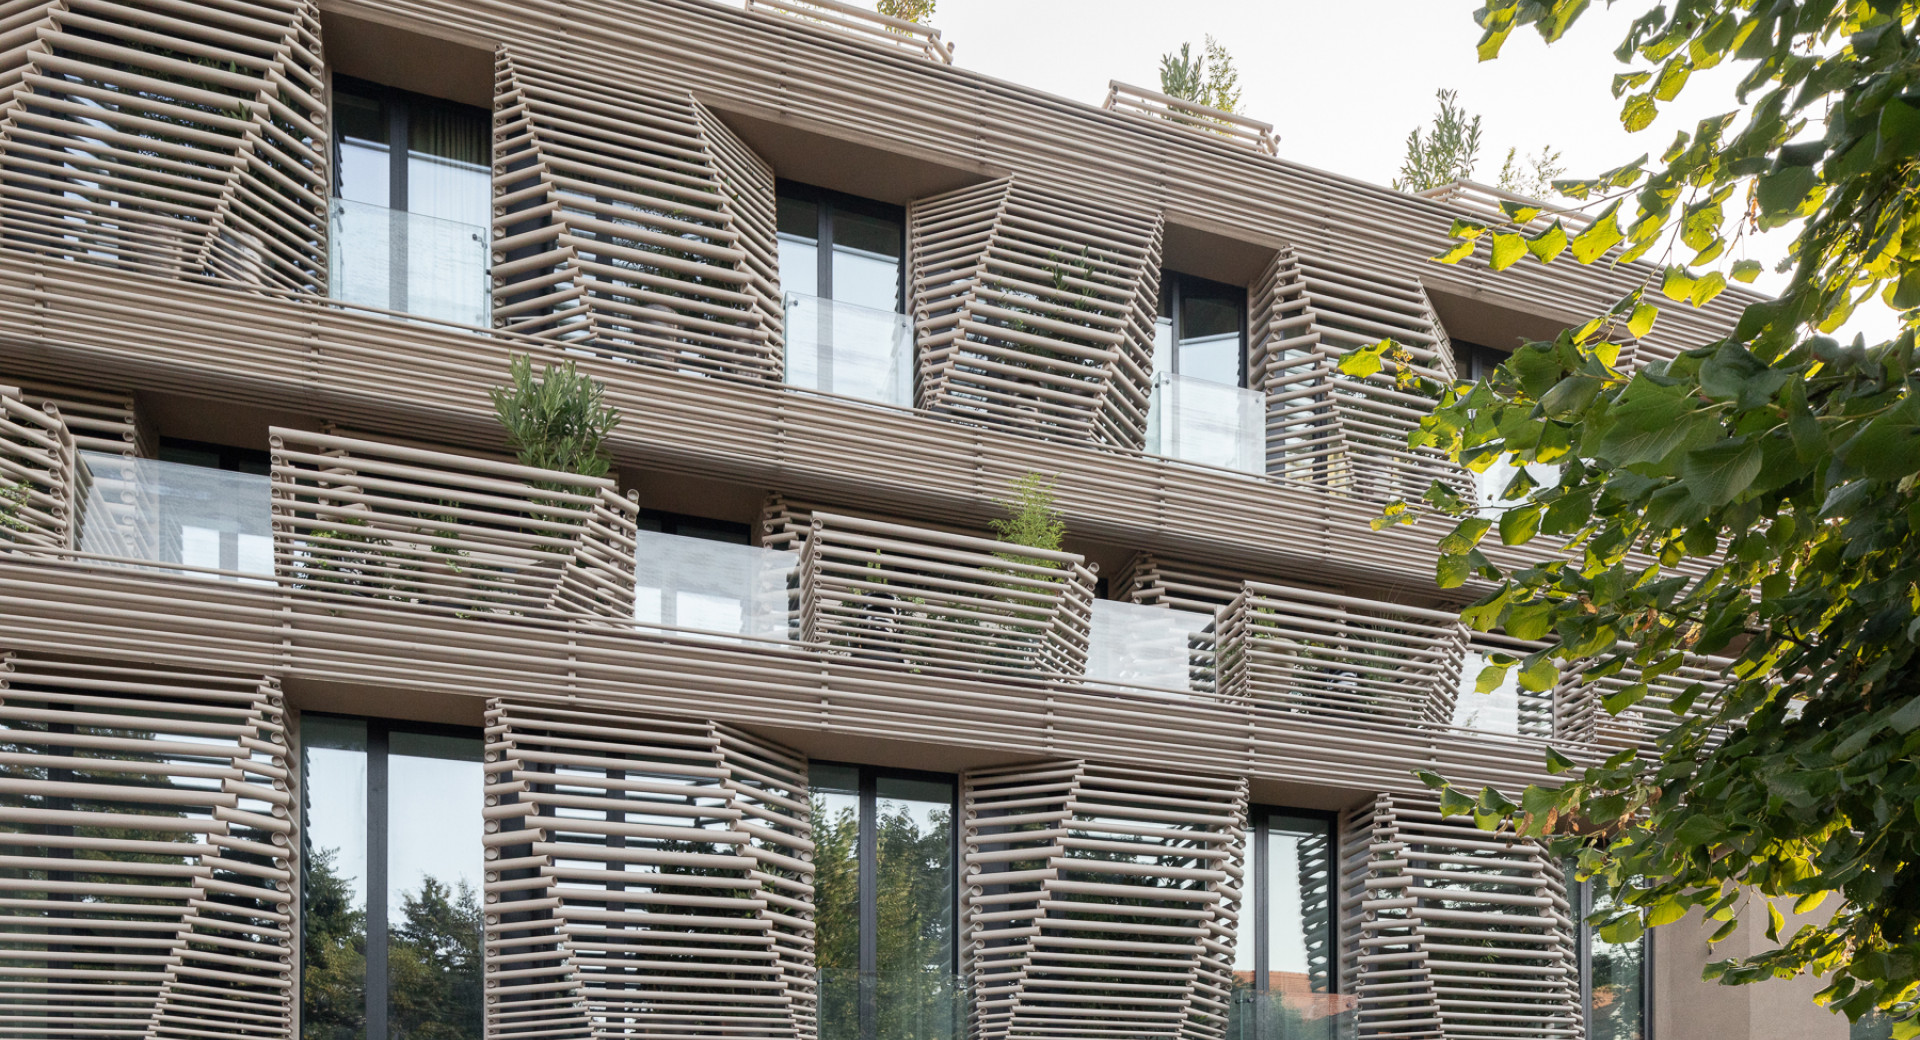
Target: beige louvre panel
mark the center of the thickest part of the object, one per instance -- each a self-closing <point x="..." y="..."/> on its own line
<point x="183" y="140"/>
<point x="39" y="480"/>
<point x="910" y="596"/>
<point x="646" y="877"/>
<point x="1155" y="580"/>
<point x="1580" y="714"/>
<point x="1287" y="650"/>
<point x="1328" y="427"/>
<point x="786" y="520"/>
<point x="631" y="223"/>
<point x="365" y="518"/>
<point x="100" y="420"/>
<point x="1139" y="101"/>
<point x="1100" y="901"/>
<point x="173" y="790"/>
<point x="862" y="23"/>
<point x="1035" y="310"/>
<point x="1451" y="931"/>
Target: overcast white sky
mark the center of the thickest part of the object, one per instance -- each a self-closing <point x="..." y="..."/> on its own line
<point x="1343" y="82"/>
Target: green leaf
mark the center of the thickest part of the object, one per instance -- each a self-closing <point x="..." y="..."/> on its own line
<point x="1622" y="931"/>
<point x="1465" y="535"/>
<point x="1549" y="243"/>
<point x="1776" y="921"/>
<point x="1717" y="474"/>
<point x="1460" y="251"/>
<point x="1362" y="362"/>
<point x="1669" y="911"/>
<point x="1519" y="525"/>
<point x="1558" y="763"/>
<point x="1508" y="248"/>
<point x="1453" y="803"/>
<point x="1780" y="193"/>
<point x="1745" y="270"/>
<point x="1529" y="620"/>
<point x="1677" y="284"/>
<point x="1889" y="447"/>
<point x="1899" y="136"/>
<point x="1638" y="113"/>
<point x="1451" y="572"/>
<point x="1539" y="676"/>
<point x="1596" y="238"/>
<point x="1624" y="698"/>
<point x="1490" y="678"/>
<point x="1712" y="284"/>
<point x="1642" y="321"/>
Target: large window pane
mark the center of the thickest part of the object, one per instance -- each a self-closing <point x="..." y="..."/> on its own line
<point x="1283" y="963"/>
<point x="800" y="246"/>
<point x="1616" y="983"/>
<point x="914" y="908"/>
<point x="866" y="260"/>
<point x="434" y="877"/>
<point x="333" y="979"/>
<point x="836" y="897"/>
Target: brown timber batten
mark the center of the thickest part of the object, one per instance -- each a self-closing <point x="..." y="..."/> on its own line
<point x="1451" y="931"/>
<point x="1100" y="901"/>
<point x="152" y="135"/>
<point x="631" y="223"/>
<point x="148" y="840"/>
<point x="645" y="877"/>
<point x="1034" y="310"/>
<point x="39" y="475"/>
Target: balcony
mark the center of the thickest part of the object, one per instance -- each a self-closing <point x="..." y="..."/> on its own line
<point x="1213" y="424"/>
<point x="853" y="351"/>
<point x="713" y="590"/>
<point x="408" y="262"/>
<point x="170" y="516"/>
<point x="924" y="599"/>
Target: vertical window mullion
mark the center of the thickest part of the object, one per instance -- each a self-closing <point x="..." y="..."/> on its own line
<point x="869" y="903"/>
<point x="399" y="146"/>
<point x="377" y="923"/>
<point x="823" y="258"/>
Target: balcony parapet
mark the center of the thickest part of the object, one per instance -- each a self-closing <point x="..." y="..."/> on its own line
<point x="471" y="535"/>
<point x="1139" y="101"/>
<point x="862" y="23"/>
<point x="926" y="599"/>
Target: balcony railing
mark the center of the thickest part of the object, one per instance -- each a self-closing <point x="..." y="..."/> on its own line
<point x="1150" y="647"/>
<point x="1213" y="424"/>
<point x="363" y="518"/>
<point x="1124" y="97"/>
<point x="1318" y="653"/>
<point x="1297" y="1013"/>
<point x="409" y="262"/>
<point x="862" y="22"/>
<point x="142" y="512"/>
<point x="926" y="599"/>
<point x="713" y="589"/>
<point x="855" y="351"/>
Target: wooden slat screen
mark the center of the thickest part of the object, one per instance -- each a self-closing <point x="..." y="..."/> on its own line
<point x="861" y="23"/>
<point x="100" y="420"/>
<point x="1034" y="310"/>
<point x="1286" y="649"/>
<point x="39" y="480"/>
<point x="1579" y="701"/>
<point x="1451" y="931"/>
<point x="646" y="877"/>
<point x="148" y="876"/>
<point x="1327" y="427"/>
<point x="366" y="518"/>
<point x="888" y="592"/>
<point x="1100" y="901"/>
<point x="183" y="139"/>
<point x="1139" y="101"/>
<point x="631" y="223"/>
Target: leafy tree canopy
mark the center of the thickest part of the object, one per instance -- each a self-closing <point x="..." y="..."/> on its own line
<point x="1450" y="151"/>
<point x="1207" y="78"/>
<point x="558" y="420"/>
<point x="1753" y="499"/>
<point x="919" y="12"/>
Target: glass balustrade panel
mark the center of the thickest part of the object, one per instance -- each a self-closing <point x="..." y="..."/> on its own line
<point x="146" y="513"/>
<point x="1135" y="645"/>
<point x="1214" y="424"/>
<point x="716" y="589"/>
<point x="844" y="348"/>
<point x="410" y="262"/>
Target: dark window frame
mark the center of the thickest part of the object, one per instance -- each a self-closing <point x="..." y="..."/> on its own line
<point x="379" y="742"/>
<point x="257" y="461"/>
<point x="1173" y="290"/>
<point x="868" y="874"/>
<point x="1260" y="820"/>
<point x="664" y="522"/>
<point x="827" y="201"/>
<point x="1586" y="933"/>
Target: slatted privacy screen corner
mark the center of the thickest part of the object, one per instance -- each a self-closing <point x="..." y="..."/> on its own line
<point x="1100" y="901"/>
<point x="1579" y="700"/>
<point x="1154" y="580"/>
<point x="106" y="421"/>
<point x="1034" y="310"/>
<point x="645" y="877"/>
<point x="1451" y="931"/>
<point x="632" y="224"/>
<point x="1284" y="649"/>
<point x="1232" y="126"/>
<point x="363" y="518"/>
<point x="181" y="139"/>
<point x="862" y="23"/>
<point x="1324" y="426"/>
<point x="925" y="599"/>
<point x="171" y="789"/>
<point x="39" y="475"/>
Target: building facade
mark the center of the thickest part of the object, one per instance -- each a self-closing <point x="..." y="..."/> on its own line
<point x="325" y="716"/>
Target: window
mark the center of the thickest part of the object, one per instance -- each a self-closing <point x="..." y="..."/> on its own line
<point x="885" y="904"/>
<point x="391" y="931"/>
<point x="1202" y="330"/>
<point x="1615" y="992"/>
<point x="840" y="247"/>
<point x="1473" y="362"/>
<point x="413" y="194"/>
<point x="1283" y="962"/>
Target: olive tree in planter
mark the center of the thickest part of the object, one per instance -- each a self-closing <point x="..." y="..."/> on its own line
<point x="558" y="420"/>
